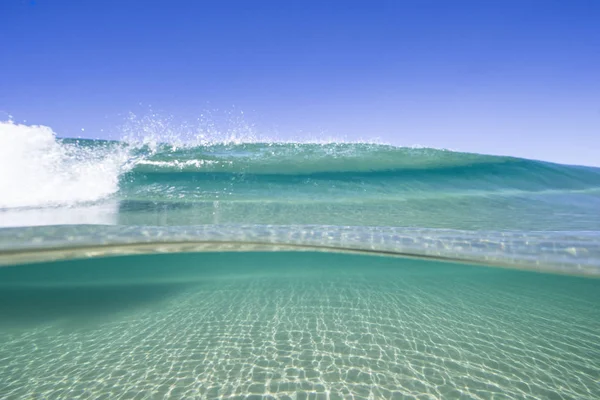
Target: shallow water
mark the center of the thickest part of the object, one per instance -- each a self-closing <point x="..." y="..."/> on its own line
<point x="294" y="325"/>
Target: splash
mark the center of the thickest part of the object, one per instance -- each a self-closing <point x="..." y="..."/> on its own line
<point x="153" y="130"/>
<point x="38" y="169"/>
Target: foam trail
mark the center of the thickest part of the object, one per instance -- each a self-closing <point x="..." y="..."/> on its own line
<point x="37" y="169"/>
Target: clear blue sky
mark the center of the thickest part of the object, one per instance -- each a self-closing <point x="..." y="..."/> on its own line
<point x="518" y="77"/>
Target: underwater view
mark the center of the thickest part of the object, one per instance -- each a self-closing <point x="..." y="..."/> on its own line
<point x="246" y="269"/>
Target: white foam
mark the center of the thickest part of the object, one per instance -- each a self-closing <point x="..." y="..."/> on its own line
<point x="36" y="169"/>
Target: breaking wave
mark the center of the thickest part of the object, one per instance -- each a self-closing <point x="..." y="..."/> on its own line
<point x="37" y="169"/>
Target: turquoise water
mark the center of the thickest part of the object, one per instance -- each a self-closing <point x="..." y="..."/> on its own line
<point x="144" y="270"/>
<point x="295" y="325"/>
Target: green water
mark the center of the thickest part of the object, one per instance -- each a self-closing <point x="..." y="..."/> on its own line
<point x="294" y="325"/>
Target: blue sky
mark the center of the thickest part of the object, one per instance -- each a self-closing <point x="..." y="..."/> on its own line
<point x="517" y="77"/>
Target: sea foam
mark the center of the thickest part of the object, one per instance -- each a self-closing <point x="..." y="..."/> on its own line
<point x="37" y="169"/>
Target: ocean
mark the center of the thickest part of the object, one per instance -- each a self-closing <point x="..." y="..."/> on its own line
<point x="253" y="269"/>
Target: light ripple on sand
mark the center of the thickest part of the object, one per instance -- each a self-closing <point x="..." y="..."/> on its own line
<point x="342" y="327"/>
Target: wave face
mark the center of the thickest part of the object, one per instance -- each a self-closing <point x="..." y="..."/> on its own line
<point x="361" y="163"/>
<point x="341" y="158"/>
<point x="358" y="184"/>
